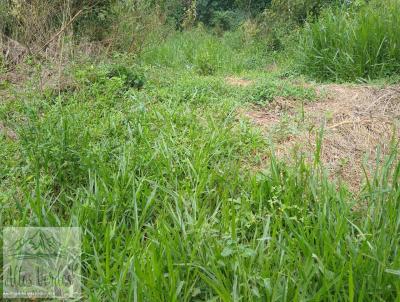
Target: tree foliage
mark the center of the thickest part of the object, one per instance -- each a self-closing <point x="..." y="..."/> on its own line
<point x="298" y="11"/>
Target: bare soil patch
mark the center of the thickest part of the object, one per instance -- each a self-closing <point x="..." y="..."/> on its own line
<point x="233" y="81"/>
<point x="359" y="123"/>
<point x="7" y="132"/>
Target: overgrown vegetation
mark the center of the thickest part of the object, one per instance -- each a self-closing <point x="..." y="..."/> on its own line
<point x="352" y="44"/>
<point x="178" y="196"/>
<point x="200" y="51"/>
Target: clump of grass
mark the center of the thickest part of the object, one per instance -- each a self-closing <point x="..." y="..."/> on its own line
<point x="129" y="76"/>
<point x="190" y="88"/>
<point x="266" y="91"/>
<point x="353" y="44"/>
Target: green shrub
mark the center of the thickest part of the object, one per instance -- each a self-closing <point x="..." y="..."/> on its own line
<point x="128" y="76"/>
<point x="296" y="11"/>
<point x="223" y="13"/>
<point x="225" y="20"/>
<point x="347" y="44"/>
<point x="133" y="78"/>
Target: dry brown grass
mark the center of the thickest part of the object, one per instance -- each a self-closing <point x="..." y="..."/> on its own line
<point x="358" y="121"/>
<point x="8" y="132"/>
<point x="234" y="81"/>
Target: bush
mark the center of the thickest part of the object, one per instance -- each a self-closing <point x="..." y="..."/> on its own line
<point x="348" y="44"/>
<point x="224" y="20"/>
<point x="296" y="11"/>
<point x="125" y="77"/>
<point x="225" y="14"/>
<point x="132" y="78"/>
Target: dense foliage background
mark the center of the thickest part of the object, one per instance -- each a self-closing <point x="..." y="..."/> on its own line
<point x="312" y="31"/>
<point x="100" y="16"/>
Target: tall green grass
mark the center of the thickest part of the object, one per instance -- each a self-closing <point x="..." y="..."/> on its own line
<point x="200" y="51"/>
<point x="162" y="182"/>
<point x="348" y="44"/>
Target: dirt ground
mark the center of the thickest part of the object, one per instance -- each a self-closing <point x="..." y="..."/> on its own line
<point x="234" y="81"/>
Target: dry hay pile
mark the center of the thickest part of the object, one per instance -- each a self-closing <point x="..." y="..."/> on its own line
<point x="358" y="121"/>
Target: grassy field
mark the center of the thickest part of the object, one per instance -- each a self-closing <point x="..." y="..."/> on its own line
<point x="167" y="186"/>
<point x="180" y="197"/>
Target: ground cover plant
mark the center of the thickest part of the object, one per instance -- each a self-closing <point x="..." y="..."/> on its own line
<point x="179" y="194"/>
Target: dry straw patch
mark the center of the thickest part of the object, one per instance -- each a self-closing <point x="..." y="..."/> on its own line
<point x="7" y="132"/>
<point x="234" y="81"/>
<point x="358" y="121"/>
